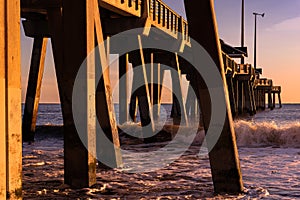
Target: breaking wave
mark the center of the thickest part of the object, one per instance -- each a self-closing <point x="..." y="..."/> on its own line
<point x="261" y="134"/>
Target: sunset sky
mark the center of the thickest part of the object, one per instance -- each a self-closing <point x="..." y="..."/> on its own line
<point x="278" y="46"/>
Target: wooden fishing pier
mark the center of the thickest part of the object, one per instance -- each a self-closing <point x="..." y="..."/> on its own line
<point x="75" y="29"/>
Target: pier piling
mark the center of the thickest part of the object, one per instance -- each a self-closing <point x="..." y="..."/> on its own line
<point x="34" y="88"/>
<point x="123" y="88"/>
<point x="75" y="29"/>
<point x="223" y="157"/>
<point x="10" y="101"/>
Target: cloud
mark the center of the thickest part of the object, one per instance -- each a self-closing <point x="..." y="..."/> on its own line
<point x="292" y="24"/>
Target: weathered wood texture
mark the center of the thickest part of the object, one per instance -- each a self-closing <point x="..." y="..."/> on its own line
<point x="141" y="92"/>
<point x="223" y="157"/>
<point x="157" y="74"/>
<point x="2" y="102"/>
<point x="110" y="152"/>
<point x="178" y="107"/>
<point x="78" y="42"/>
<point x="10" y="85"/>
<point x="141" y="89"/>
<point x="34" y="88"/>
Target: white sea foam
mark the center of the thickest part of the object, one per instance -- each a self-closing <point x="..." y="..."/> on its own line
<point x="248" y="133"/>
<point x="260" y="134"/>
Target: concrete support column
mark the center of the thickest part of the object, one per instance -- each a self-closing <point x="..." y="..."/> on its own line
<point x="2" y="107"/>
<point x="274" y="102"/>
<point x="257" y="104"/>
<point x="253" y="96"/>
<point x="279" y="100"/>
<point x="34" y="88"/>
<point x="10" y="101"/>
<point x="263" y="100"/>
<point x="141" y="93"/>
<point x="133" y="102"/>
<point x="156" y="90"/>
<point x="253" y="101"/>
<point x="123" y="88"/>
<point x="248" y="98"/>
<point x="178" y="107"/>
<point x="223" y="156"/>
<point x="3" y="100"/>
<point x="231" y="92"/>
<point x="270" y="103"/>
<point x="236" y="94"/>
<point x="72" y="41"/>
<point x="241" y="97"/>
<point x="191" y="102"/>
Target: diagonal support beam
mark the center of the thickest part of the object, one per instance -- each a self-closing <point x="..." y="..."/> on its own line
<point x="223" y="157"/>
<point x="178" y="99"/>
<point x="141" y="90"/>
<point x="108" y="152"/>
<point x="157" y="76"/>
<point x="34" y="88"/>
<point x="144" y="74"/>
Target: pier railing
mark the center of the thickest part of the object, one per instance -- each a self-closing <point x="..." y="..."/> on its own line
<point x="130" y="7"/>
<point x="276" y="89"/>
<point x="263" y="82"/>
<point x="166" y="19"/>
<point x="230" y="66"/>
<point x="246" y="69"/>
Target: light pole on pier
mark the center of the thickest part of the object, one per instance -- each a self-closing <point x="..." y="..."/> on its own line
<point x="255" y="16"/>
<point x="243" y="28"/>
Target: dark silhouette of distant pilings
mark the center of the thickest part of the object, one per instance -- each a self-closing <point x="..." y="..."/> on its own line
<point x="246" y="89"/>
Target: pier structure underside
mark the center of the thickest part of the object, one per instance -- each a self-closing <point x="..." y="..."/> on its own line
<point x="91" y="29"/>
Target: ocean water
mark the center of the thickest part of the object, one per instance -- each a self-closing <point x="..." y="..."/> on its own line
<point x="50" y="114"/>
<point x="278" y="127"/>
<point x="269" y="150"/>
